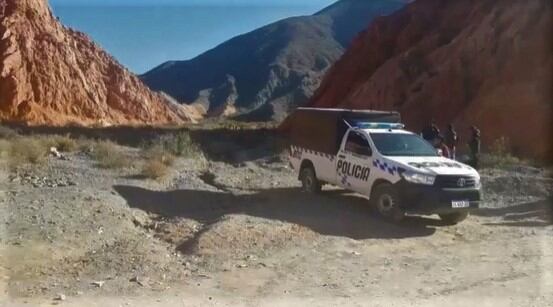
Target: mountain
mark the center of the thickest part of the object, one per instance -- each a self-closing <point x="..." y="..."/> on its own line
<point x="52" y="75"/>
<point x="272" y="69"/>
<point x="482" y="62"/>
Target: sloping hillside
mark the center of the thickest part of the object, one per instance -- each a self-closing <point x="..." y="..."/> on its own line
<point x="271" y="69"/>
<point x="52" y="75"/>
<point x="482" y="62"/>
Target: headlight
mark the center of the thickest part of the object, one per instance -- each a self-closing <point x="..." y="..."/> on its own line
<point x="477" y="183"/>
<point x="419" y="178"/>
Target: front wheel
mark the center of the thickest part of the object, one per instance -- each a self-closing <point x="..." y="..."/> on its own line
<point x="454" y="218"/>
<point x="387" y="203"/>
<point x="309" y="180"/>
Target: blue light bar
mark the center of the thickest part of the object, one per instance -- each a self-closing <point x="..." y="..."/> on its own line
<point x="366" y="125"/>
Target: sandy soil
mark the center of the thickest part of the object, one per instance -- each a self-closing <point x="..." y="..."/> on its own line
<point x="216" y="234"/>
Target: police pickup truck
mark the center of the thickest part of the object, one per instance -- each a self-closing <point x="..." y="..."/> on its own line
<point x="370" y="153"/>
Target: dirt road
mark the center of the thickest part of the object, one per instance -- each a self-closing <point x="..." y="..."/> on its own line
<point x="217" y="234"/>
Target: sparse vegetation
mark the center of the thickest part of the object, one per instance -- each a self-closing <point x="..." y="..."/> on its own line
<point x="109" y="156"/>
<point x="500" y="155"/>
<point x="26" y="150"/>
<point x="154" y="169"/>
<point x="4" y="148"/>
<point x="63" y="143"/>
<point x="159" y="153"/>
<point x="157" y="162"/>
<point x="7" y="133"/>
<point x="180" y="144"/>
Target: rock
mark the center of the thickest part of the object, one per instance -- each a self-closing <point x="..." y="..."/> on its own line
<point x="54" y="152"/>
<point x="60" y="297"/>
<point x="142" y="281"/>
<point x="98" y="284"/>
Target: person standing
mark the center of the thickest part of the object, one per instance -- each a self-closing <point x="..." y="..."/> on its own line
<point x="440" y="144"/>
<point x="430" y="132"/>
<point x="451" y="140"/>
<point x="474" y="146"/>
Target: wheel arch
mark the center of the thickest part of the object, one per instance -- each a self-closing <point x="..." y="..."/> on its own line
<point x="377" y="183"/>
<point x="304" y="164"/>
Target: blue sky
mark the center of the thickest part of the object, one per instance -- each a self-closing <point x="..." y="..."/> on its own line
<point x="142" y="34"/>
<point x="195" y="2"/>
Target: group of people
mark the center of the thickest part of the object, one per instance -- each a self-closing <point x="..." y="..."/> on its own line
<point x="449" y="141"/>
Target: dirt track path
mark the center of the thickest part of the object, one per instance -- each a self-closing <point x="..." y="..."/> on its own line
<point x="244" y="235"/>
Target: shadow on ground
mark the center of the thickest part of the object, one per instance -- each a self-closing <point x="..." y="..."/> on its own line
<point x="333" y="213"/>
<point x="533" y="214"/>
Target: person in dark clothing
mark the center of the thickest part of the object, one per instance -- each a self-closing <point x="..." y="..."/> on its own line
<point x="440" y="144"/>
<point x="430" y="132"/>
<point x="474" y="146"/>
<point x="451" y="140"/>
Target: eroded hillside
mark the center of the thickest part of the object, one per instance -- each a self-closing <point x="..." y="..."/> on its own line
<point x="53" y="75"/>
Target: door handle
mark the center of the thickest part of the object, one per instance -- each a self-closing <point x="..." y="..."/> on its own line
<point x="341" y="156"/>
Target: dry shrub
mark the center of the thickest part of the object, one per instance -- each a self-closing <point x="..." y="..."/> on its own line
<point x="108" y="155"/>
<point x="27" y="150"/>
<point x="86" y="145"/>
<point x="180" y="144"/>
<point x="157" y="163"/>
<point x="500" y="155"/>
<point x="154" y="169"/>
<point x="4" y="148"/>
<point x="158" y="153"/>
<point x="7" y="133"/>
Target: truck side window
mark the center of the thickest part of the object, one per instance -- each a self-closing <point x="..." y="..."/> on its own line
<point x="358" y="144"/>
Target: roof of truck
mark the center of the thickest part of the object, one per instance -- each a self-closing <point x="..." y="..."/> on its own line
<point x="347" y="111"/>
<point x="393" y="131"/>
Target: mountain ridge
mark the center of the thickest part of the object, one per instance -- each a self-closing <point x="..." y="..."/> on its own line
<point x="275" y="67"/>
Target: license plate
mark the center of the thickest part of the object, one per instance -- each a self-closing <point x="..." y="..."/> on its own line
<point x="456" y="204"/>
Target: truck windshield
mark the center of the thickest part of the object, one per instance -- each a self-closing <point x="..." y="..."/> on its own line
<point x="394" y="144"/>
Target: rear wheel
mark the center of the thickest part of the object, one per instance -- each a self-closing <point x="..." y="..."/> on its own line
<point x="454" y="218"/>
<point x="387" y="203"/>
<point x="309" y="180"/>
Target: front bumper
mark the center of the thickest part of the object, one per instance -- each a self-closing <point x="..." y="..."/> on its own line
<point x="422" y="199"/>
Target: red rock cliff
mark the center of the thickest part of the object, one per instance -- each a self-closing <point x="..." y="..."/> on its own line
<point x="52" y="75"/>
<point x="482" y="62"/>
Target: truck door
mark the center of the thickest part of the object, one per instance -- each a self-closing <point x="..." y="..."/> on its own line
<point x="353" y="166"/>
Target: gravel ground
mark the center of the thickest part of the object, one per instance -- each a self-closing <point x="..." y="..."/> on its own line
<point x="215" y="233"/>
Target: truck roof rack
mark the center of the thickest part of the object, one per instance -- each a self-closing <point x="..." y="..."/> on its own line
<point x="321" y="129"/>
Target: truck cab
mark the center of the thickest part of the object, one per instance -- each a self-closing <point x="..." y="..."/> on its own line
<point x="397" y="170"/>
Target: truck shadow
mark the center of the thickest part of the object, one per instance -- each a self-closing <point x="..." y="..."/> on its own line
<point x="532" y="214"/>
<point x="332" y="213"/>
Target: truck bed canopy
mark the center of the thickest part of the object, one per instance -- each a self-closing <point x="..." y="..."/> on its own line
<point x="322" y="130"/>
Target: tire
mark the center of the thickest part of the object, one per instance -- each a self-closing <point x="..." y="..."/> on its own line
<point x="309" y="181"/>
<point x="386" y="202"/>
<point x="454" y="218"/>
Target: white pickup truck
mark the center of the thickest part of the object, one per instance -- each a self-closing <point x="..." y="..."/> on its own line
<point x="370" y="153"/>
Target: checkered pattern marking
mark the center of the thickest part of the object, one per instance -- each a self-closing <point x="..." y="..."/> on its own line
<point x="385" y="167"/>
<point x="312" y="152"/>
<point x="345" y="181"/>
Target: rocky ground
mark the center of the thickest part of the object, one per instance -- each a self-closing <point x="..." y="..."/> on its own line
<point x="241" y="233"/>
